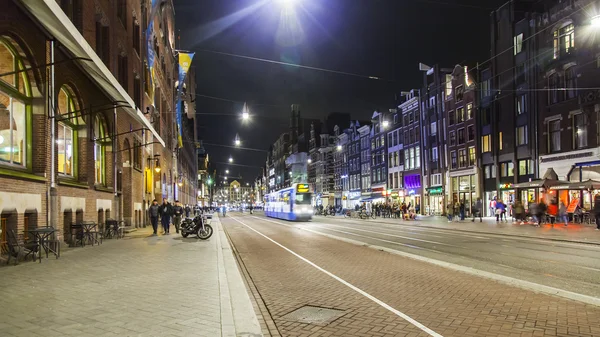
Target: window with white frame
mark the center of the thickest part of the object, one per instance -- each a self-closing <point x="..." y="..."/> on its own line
<point x="433" y="128"/>
<point x="563" y="40"/>
<point x="434" y="154"/>
<point x="518" y="43"/>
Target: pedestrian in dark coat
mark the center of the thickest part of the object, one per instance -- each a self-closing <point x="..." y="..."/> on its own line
<point x="153" y="213"/>
<point x="165" y="210"/>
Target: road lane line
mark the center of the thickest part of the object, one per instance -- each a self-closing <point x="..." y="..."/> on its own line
<point x="394" y="235"/>
<point x="511" y="281"/>
<point x="349" y="285"/>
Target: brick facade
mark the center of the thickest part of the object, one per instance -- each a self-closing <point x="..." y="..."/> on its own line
<point x="25" y="189"/>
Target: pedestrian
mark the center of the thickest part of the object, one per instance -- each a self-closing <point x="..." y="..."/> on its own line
<point x="187" y="211"/>
<point x="519" y="210"/>
<point x="492" y="206"/>
<point x="153" y="212"/>
<point x="499" y="209"/>
<point x="562" y="213"/>
<point x="165" y="210"/>
<point x="177" y="214"/>
<point x="450" y="211"/>
<point x="461" y="209"/>
<point x="477" y="210"/>
<point x="596" y="211"/>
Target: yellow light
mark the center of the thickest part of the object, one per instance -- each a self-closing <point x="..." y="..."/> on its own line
<point x="157" y="169"/>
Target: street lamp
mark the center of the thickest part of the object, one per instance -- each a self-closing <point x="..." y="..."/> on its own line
<point x="227" y="171"/>
<point x="237" y="140"/>
<point x="245" y="113"/>
<point x="385" y="124"/>
<point x="230" y="160"/>
<point x="309" y="160"/>
<point x="339" y="148"/>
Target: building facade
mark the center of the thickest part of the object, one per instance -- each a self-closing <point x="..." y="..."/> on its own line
<point x="463" y="171"/>
<point x="410" y="132"/>
<point x="378" y="157"/>
<point x="106" y="146"/>
<point x="395" y="156"/>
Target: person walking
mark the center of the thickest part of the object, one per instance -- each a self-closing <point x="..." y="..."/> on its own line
<point x="500" y="209"/>
<point x="187" y="211"/>
<point x="450" y="211"/>
<point x="562" y="213"/>
<point x="477" y="210"/>
<point x="165" y="210"/>
<point x="461" y="210"/>
<point x="596" y="211"/>
<point x="153" y="212"/>
<point x="177" y="214"/>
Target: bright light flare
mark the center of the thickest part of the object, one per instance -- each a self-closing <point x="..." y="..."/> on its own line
<point x="385" y="124"/>
<point x="595" y="21"/>
<point x="339" y="148"/>
<point x="230" y="160"/>
<point x="286" y="3"/>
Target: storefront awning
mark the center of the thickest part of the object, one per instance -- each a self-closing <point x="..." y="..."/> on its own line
<point x="584" y="185"/>
<point x="52" y="17"/>
<point x="542" y="183"/>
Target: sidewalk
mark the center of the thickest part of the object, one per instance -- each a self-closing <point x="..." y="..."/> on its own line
<point x="573" y="232"/>
<point x="142" y="285"/>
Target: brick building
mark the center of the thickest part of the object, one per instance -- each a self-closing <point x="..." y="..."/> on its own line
<point x="113" y="122"/>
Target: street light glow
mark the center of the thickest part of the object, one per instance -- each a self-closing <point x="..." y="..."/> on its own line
<point x="287" y="3"/>
<point x="227" y="171"/>
<point x="309" y="160"/>
<point x="245" y="113"/>
<point x="237" y="140"/>
<point x="596" y="21"/>
<point x="230" y="160"/>
<point x="339" y="148"/>
<point x="385" y="124"/>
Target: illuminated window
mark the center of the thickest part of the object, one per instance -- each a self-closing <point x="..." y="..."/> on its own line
<point x="518" y="43"/>
<point x="462" y="158"/>
<point x="525" y="167"/>
<point x="15" y="106"/>
<point x="99" y="150"/>
<point x="580" y="134"/>
<point x="563" y="40"/>
<point x="472" y="156"/>
<point x="486" y="143"/>
<point x="469" y="111"/>
<point x="66" y="139"/>
<point x="453" y="160"/>
<point x="554" y="136"/>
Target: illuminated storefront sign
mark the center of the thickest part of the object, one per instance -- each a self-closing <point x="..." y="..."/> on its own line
<point x="303" y="188"/>
<point x="507" y="186"/>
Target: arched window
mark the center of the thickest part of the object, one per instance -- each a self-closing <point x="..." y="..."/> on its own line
<point x="100" y="135"/>
<point x="66" y="137"/>
<point x="15" y="106"/>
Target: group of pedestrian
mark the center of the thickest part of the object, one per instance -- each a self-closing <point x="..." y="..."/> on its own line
<point x="457" y="211"/>
<point x="168" y="214"/>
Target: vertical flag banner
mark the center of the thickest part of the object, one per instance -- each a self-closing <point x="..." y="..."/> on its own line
<point x="185" y="60"/>
<point x="150" y="49"/>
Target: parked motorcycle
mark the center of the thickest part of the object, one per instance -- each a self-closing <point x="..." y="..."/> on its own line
<point x="198" y="226"/>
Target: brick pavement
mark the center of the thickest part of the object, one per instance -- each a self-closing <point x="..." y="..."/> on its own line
<point x="449" y="302"/>
<point x="138" y="286"/>
<point x="574" y="232"/>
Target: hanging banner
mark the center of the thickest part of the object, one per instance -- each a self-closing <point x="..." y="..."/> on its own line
<point x="150" y="50"/>
<point x="185" y="60"/>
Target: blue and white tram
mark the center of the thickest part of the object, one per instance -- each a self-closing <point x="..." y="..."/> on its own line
<point x="292" y="203"/>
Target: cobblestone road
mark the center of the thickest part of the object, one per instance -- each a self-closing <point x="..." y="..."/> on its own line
<point x="141" y="286"/>
<point x="448" y="302"/>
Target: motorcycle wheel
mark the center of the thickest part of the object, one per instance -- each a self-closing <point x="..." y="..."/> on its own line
<point x="206" y="233"/>
<point x="185" y="235"/>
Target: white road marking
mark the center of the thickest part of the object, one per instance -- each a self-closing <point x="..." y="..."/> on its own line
<point x="511" y="281"/>
<point x="349" y="285"/>
<point x="394" y="235"/>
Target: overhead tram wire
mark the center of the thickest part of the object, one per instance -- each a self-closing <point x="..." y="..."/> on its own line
<point x="296" y="65"/>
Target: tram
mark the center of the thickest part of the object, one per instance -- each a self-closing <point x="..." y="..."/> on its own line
<point x="292" y="203"/>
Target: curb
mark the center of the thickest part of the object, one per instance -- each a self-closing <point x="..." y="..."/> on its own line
<point x="238" y="317"/>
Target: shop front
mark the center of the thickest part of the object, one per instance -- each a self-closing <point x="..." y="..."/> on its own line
<point x="435" y="201"/>
<point x="337" y="199"/>
<point x="464" y="190"/>
<point x="353" y="199"/>
<point x="412" y="191"/>
<point x="507" y="193"/>
<point x="378" y="195"/>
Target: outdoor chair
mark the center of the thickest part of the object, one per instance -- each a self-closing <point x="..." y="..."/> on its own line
<point x="17" y="250"/>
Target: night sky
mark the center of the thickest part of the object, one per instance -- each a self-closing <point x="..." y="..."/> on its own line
<point x="382" y="38"/>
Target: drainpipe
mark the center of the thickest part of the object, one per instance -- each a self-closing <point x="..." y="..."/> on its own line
<point x="53" y="192"/>
<point x="118" y="215"/>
